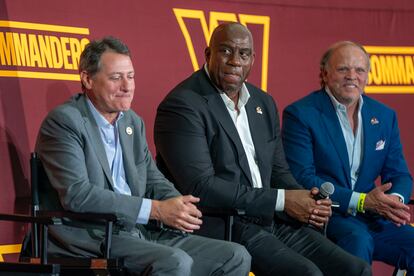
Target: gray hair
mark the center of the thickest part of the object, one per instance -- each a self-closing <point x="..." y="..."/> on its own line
<point x="90" y="59"/>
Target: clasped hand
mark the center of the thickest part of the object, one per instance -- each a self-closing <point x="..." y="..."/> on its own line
<point x="178" y="212"/>
<point x="387" y="205"/>
<point x="301" y="205"/>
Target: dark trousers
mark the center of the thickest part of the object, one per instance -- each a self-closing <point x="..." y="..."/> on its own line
<point x="283" y="249"/>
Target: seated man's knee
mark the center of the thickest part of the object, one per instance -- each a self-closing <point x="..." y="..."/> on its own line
<point x="358" y="244"/>
<point x="241" y="256"/>
<point x="175" y="262"/>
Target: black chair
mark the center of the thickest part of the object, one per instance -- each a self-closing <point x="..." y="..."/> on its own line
<point x="226" y="216"/>
<point x="35" y="266"/>
<point x="42" y="196"/>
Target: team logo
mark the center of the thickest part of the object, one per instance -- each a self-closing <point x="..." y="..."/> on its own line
<point x="186" y="18"/>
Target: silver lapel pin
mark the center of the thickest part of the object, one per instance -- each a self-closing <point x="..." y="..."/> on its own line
<point x="128" y="130"/>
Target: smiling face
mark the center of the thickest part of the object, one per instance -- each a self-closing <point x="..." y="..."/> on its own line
<point x="230" y="57"/>
<point x="346" y="74"/>
<point x="111" y="89"/>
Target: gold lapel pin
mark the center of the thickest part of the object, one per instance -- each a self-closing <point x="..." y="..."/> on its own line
<point x="259" y="110"/>
<point x="374" y="121"/>
<point x="128" y="130"/>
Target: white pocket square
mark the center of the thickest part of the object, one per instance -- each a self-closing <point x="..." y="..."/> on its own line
<point x="380" y="145"/>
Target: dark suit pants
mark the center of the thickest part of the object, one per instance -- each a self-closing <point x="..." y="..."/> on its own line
<point x="286" y="250"/>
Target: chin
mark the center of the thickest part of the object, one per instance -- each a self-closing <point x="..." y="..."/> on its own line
<point x="124" y="107"/>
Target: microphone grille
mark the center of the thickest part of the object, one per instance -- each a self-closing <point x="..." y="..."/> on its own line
<point x="327" y="189"/>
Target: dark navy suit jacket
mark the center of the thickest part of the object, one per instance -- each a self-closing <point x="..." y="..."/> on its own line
<point x="199" y="149"/>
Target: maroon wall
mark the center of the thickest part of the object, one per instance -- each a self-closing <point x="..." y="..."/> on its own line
<point x="298" y="34"/>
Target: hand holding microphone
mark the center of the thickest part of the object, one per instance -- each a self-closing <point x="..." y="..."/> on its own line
<point x="321" y="214"/>
<point x="327" y="189"/>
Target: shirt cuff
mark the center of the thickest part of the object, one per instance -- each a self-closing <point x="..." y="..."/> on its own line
<point x="353" y="203"/>
<point x="145" y="211"/>
<point x="280" y="200"/>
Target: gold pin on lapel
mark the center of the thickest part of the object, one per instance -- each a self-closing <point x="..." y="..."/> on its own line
<point x="128" y="130"/>
<point x="374" y="121"/>
<point x="259" y="110"/>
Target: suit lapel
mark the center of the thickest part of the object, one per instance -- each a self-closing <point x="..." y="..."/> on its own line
<point x="333" y="128"/>
<point x="219" y="111"/>
<point x="257" y="124"/>
<point x="370" y="137"/>
<point x="93" y="133"/>
<point x="126" y="135"/>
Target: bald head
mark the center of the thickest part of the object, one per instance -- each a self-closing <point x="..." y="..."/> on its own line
<point x="229" y="57"/>
<point x="326" y="57"/>
<point x="231" y="27"/>
<point x="344" y="71"/>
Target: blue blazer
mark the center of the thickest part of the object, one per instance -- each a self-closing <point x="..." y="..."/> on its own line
<point x="316" y="151"/>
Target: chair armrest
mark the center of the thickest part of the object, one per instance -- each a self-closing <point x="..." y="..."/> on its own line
<point x="106" y="218"/>
<point x="96" y="217"/>
<point x="221" y="212"/>
<point x="28" y="219"/>
<point x="227" y="214"/>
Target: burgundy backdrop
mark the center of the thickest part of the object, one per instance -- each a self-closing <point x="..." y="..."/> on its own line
<point x="297" y="31"/>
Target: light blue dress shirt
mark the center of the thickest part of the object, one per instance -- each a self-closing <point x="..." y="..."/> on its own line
<point x="110" y="139"/>
<point x="353" y="144"/>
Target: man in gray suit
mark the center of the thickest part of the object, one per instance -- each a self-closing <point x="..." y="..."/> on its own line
<point x="95" y="154"/>
<point x="218" y="137"/>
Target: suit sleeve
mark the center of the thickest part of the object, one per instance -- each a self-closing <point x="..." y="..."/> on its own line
<point x="181" y="141"/>
<point x="395" y="169"/>
<point x="298" y="144"/>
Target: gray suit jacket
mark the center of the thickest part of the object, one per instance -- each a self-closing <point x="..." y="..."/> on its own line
<point x="198" y="147"/>
<point x="71" y="150"/>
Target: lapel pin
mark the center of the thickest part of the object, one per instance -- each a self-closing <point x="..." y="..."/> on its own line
<point x="259" y="110"/>
<point x="128" y="130"/>
<point x="374" y="121"/>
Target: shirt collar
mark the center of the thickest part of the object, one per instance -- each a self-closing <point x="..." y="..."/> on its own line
<point x="341" y="107"/>
<point x="99" y="118"/>
<point x="244" y="94"/>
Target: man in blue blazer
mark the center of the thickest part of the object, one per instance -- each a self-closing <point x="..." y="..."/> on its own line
<point x="218" y="138"/>
<point x="340" y="135"/>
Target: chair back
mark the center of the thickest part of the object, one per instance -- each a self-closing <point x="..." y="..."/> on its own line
<point x="44" y="196"/>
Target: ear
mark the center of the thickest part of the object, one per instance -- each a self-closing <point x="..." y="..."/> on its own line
<point x="86" y="80"/>
<point x="253" y="57"/>
<point x="324" y="74"/>
<point x="207" y="54"/>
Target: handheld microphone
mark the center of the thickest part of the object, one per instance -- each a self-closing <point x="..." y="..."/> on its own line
<point x="325" y="191"/>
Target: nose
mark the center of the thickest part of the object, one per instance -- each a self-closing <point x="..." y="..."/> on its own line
<point x="127" y="84"/>
<point x="351" y="74"/>
<point x="235" y="59"/>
